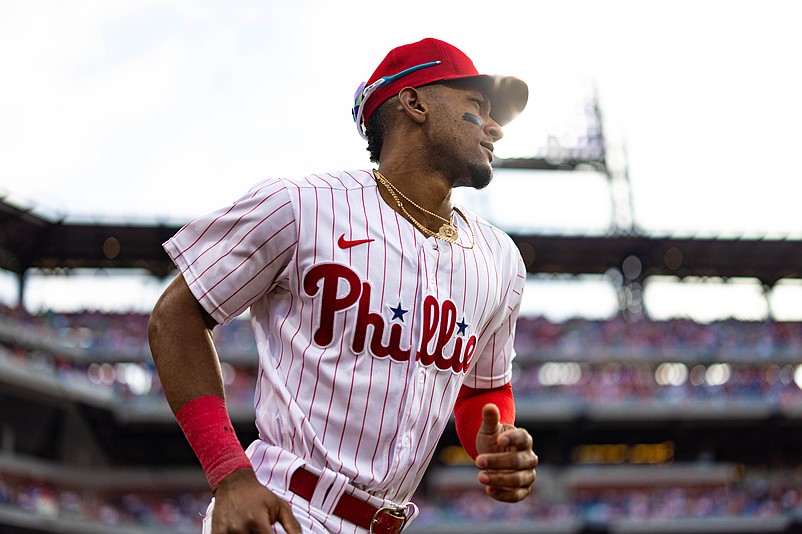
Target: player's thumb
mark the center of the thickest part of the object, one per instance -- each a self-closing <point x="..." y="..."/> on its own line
<point x="491" y="420"/>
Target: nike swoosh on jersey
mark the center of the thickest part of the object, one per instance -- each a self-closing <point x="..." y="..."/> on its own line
<point x="348" y="243"/>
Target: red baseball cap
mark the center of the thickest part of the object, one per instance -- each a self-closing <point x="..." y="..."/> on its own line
<point x="430" y="61"/>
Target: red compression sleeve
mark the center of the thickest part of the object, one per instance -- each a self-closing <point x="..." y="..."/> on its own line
<point x="208" y="430"/>
<point x="468" y="412"/>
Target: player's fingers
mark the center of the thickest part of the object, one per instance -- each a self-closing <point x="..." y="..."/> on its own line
<point x="508" y="494"/>
<point x="263" y="524"/>
<point x="256" y="524"/>
<point x="490" y="419"/>
<point x="517" y="438"/>
<point x="508" y="479"/>
<point x="288" y="521"/>
<point x="510" y="461"/>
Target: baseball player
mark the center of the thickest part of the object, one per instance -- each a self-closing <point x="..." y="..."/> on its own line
<point x="379" y="309"/>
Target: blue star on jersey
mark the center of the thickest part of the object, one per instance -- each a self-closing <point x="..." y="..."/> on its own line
<point x="462" y="325"/>
<point x="398" y="312"/>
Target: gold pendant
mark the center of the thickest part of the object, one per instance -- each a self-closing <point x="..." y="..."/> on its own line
<point x="448" y="233"/>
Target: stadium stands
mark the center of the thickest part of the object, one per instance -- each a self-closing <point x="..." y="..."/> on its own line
<point x="641" y="399"/>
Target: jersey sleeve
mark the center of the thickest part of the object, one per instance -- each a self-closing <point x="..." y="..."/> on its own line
<point x="492" y="367"/>
<point x="232" y="256"/>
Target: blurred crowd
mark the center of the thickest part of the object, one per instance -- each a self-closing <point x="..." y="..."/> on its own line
<point x="124" y="335"/>
<point x="137" y="383"/>
<point x="182" y="510"/>
<point x="676" y="338"/>
<point x="665" y="382"/>
<point x="173" y="511"/>
<point x="576" y="361"/>
<point x="758" y="499"/>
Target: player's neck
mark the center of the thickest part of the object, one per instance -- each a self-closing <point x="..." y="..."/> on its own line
<point x="428" y="190"/>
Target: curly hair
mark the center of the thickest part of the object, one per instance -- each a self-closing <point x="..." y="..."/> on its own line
<point x="379" y="123"/>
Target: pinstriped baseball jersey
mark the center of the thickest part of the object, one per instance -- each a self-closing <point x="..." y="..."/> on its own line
<point x="365" y="328"/>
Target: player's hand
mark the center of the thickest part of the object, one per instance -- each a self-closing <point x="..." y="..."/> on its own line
<point x="505" y="457"/>
<point x="243" y="504"/>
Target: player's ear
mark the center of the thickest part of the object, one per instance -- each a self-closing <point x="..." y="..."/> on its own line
<point x="413" y="104"/>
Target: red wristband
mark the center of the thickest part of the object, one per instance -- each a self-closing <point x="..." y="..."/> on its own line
<point x="468" y="412"/>
<point x="209" y="431"/>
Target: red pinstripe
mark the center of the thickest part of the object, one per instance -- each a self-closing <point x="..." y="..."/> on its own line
<point x="299" y="211"/>
<point x="200" y="236"/>
<point x="387" y="388"/>
<point x="243" y="238"/>
<point x="233" y="225"/>
<point x="320" y="360"/>
<point x="249" y="281"/>
<point x="440" y="413"/>
<point x="309" y="337"/>
<point x="353" y="372"/>
<point x="487" y="264"/>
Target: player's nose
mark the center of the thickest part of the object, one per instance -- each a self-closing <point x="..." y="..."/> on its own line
<point x="493" y="129"/>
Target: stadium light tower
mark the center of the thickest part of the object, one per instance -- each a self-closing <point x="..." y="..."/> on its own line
<point x="583" y="147"/>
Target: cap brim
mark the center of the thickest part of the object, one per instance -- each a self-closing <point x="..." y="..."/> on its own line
<point x="508" y="96"/>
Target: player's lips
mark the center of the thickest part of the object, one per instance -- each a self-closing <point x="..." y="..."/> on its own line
<point x="489" y="147"/>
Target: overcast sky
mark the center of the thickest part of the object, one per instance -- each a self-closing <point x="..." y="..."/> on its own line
<point x="143" y="110"/>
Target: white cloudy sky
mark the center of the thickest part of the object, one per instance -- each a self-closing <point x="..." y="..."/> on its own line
<point x="162" y="110"/>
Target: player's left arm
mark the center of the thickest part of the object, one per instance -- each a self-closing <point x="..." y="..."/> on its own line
<point x="485" y="421"/>
<point x="485" y="413"/>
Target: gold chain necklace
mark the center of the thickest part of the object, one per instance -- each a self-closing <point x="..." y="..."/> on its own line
<point x="448" y="232"/>
<point x="387" y="183"/>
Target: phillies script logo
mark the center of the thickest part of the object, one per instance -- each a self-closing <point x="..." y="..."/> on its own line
<point x="439" y="321"/>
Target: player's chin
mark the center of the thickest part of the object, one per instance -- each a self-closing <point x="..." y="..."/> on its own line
<point x="481" y="175"/>
<point x="475" y="175"/>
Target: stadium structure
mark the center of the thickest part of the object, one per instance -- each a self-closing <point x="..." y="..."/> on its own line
<point x="640" y="425"/>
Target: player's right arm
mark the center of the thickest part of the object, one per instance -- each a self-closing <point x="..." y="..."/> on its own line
<point x="180" y="336"/>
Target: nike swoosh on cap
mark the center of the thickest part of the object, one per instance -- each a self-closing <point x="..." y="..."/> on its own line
<point x="348" y="243"/>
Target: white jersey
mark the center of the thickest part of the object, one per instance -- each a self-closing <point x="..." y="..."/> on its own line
<point x="365" y="328"/>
